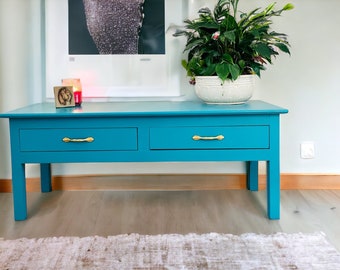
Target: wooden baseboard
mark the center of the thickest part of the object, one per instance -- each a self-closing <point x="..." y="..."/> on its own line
<point x="175" y="182"/>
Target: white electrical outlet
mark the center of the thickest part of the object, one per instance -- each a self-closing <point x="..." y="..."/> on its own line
<point x="307" y="150"/>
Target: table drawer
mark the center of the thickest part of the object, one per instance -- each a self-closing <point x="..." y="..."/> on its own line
<point x="105" y="139"/>
<point x="221" y="137"/>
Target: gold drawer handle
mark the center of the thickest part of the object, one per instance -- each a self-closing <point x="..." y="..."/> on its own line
<point x="88" y="139"/>
<point x="198" y="138"/>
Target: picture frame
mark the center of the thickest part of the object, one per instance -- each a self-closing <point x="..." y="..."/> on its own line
<point x="108" y="77"/>
<point x="64" y="96"/>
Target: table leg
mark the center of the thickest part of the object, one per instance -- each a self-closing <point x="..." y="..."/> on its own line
<point x="19" y="191"/>
<point x="273" y="189"/>
<point x="252" y="175"/>
<point x="45" y="176"/>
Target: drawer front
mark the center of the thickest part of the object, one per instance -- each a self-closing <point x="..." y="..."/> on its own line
<point x="223" y="137"/>
<point x="105" y="139"/>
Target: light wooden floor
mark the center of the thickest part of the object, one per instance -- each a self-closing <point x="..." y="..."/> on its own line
<point x="85" y="213"/>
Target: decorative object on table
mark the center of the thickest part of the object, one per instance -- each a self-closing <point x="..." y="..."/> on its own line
<point x="64" y="96"/>
<point x="211" y="90"/>
<point x="228" y="43"/>
<point x="172" y="251"/>
<point x="75" y="85"/>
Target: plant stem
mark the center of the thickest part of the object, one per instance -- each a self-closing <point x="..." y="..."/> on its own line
<point x="235" y="7"/>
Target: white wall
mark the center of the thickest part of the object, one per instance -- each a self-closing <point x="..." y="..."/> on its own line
<point x="307" y="83"/>
<point x="20" y="64"/>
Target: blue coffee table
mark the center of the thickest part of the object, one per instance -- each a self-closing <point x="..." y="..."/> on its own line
<point x="159" y="131"/>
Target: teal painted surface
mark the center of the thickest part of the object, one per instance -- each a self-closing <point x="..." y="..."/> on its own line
<point x="145" y="132"/>
<point x="51" y="139"/>
<point x="45" y="175"/>
<point x="235" y="137"/>
<point x="151" y="108"/>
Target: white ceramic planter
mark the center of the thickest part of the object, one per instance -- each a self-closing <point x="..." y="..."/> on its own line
<point x="211" y="89"/>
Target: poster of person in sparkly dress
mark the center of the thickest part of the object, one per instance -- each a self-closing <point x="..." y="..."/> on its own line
<point x="116" y="27"/>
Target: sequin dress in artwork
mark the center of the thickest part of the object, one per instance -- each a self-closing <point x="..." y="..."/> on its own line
<point x="114" y="25"/>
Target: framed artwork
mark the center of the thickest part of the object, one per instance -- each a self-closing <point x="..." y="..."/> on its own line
<point x="116" y="27"/>
<point x="111" y="67"/>
<point x="63" y="96"/>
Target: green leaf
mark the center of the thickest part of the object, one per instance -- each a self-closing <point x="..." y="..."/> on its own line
<point x="205" y="10"/>
<point x="242" y="64"/>
<point x="222" y="71"/>
<point x="230" y="35"/>
<point x="228" y="58"/>
<point x="193" y="44"/>
<point x="180" y="33"/>
<point x="208" y="25"/>
<point x="184" y="64"/>
<point x="234" y="71"/>
<point x="256" y="67"/>
<point x="264" y="50"/>
<point x="288" y="6"/>
<point x="230" y="22"/>
<point x="269" y="8"/>
<point x="245" y="17"/>
<point x="194" y="65"/>
<point x="209" y="70"/>
<point x="283" y="47"/>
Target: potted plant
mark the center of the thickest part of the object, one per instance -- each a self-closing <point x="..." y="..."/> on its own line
<point x="228" y="46"/>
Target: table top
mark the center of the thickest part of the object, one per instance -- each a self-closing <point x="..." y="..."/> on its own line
<point x="143" y="108"/>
